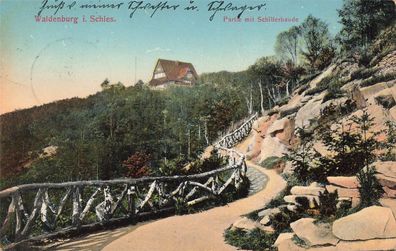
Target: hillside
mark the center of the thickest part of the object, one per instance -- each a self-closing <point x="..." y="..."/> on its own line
<point x="91" y="138"/>
<point x="334" y="144"/>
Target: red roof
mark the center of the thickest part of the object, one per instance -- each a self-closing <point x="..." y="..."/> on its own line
<point x="174" y="71"/>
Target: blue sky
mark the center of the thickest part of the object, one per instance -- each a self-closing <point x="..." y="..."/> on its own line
<point x="63" y="60"/>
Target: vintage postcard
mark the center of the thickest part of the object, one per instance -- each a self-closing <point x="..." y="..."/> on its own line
<point x="197" y="125"/>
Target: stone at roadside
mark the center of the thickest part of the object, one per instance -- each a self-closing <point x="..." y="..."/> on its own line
<point x="313" y="200"/>
<point x="386" y="181"/>
<point x="387" y="168"/>
<point x="369" y="223"/>
<point x="283" y="237"/>
<point x="302" y="190"/>
<point x="343" y="192"/>
<point x="265" y="221"/>
<point x="314" y="234"/>
<point x="289" y="245"/>
<point x="245" y="224"/>
<point x="344" y="181"/>
<point x="268" y="212"/>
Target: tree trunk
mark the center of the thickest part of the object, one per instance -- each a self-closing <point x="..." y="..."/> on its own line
<point x="261" y="98"/>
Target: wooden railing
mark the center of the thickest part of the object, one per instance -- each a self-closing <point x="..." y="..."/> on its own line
<point x="237" y="135"/>
<point x="36" y="211"/>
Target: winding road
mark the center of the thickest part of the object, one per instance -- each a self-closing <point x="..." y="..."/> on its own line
<point x="194" y="232"/>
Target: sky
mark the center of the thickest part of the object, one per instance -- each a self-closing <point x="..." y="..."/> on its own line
<point x="42" y="62"/>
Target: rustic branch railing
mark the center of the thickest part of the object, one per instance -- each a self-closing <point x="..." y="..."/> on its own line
<point x="237" y="135"/>
<point x="39" y="210"/>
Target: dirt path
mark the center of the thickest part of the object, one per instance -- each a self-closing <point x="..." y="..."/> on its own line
<point x="202" y="231"/>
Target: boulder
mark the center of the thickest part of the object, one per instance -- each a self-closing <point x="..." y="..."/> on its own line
<point x="387" y="168"/>
<point x="272" y="146"/>
<point x="376" y="244"/>
<point x="390" y="193"/>
<point x="302" y="190"/>
<point x="309" y="111"/>
<point x="288" y="245"/>
<point x="369" y="223"/>
<point x="268" y="212"/>
<point x="278" y="125"/>
<point x="344" y="181"/>
<point x="386" y="181"/>
<point x="389" y="203"/>
<point x="292" y="199"/>
<point x="265" y="221"/>
<point x="314" y="234"/>
<point x="245" y="224"/>
<point x="344" y="192"/>
<point x="286" y="135"/>
<point x="283" y="237"/>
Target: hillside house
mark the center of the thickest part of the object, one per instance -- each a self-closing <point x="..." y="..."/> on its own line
<point x="168" y="72"/>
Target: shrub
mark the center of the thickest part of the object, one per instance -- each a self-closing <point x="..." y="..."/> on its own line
<point x="328" y="203"/>
<point x="378" y="78"/>
<point x="386" y="101"/>
<point x="281" y="221"/>
<point x="390" y="143"/>
<point x="370" y="189"/>
<point x="352" y="149"/>
<point x="137" y="165"/>
<point x="333" y="91"/>
<point x="363" y="73"/>
<point x="252" y="240"/>
<point x="271" y="162"/>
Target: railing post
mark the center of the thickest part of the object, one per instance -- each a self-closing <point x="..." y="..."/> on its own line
<point x="131" y="194"/>
<point x="76" y="207"/>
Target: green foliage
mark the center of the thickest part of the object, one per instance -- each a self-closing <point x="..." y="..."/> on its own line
<point x="316" y="42"/>
<point x="328" y="203"/>
<point x="370" y="189"/>
<point x="286" y="45"/>
<point x="378" y="78"/>
<point x="386" y="101"/>
<point x="333" y="91"/>
<point x="281" y="221"/>
<point x="390" y="144"/>
<point x="252" y="240"/>
<point x="353" y="150"/>
<point x="303" y="157"/>
<point x="96" y="135"/>
<point x="363" y="73"/>
<point x="362" y="21"/>
<point x="271" y="162"/>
